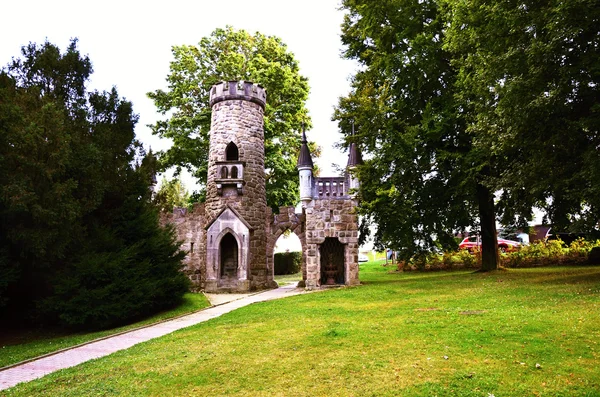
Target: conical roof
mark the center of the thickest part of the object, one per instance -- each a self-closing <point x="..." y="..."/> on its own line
<point x="354" y="156"/>
<point x="304" y="159"/>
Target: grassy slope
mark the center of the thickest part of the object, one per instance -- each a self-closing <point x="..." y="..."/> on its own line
<point x="37" y="342"/>
<point x="446" y="333"/>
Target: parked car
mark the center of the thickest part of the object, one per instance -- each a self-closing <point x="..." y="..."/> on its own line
<point x="363" y="258"/>
<point x="473" y="243"/>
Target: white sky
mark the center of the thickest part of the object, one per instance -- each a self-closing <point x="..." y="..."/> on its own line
<point x="129" y="44"/>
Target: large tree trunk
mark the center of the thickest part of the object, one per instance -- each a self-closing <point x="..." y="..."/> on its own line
<point x="489" y="239"/>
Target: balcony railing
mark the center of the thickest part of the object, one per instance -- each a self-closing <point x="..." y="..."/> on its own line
<point x="330" y="187"/>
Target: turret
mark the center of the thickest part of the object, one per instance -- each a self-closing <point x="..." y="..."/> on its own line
<point x="236" y="200"/>
<point x="354" y="159"/>
<point x="305" y="170"/>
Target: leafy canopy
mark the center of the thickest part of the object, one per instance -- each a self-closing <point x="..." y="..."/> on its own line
<point x="458" y="100"/>
<point x="532" y="87"/>
<point x="418" y="185"/>
<point x="171" y="194"/>
<point x="229" y="54"/>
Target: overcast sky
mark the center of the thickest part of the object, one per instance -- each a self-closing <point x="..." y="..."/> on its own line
<point x="130" y="42"/>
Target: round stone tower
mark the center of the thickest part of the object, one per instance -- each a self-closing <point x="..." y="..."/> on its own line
<point x="236" y="203"/>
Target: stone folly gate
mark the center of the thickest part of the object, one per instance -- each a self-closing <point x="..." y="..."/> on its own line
<point x="231" y="237"/>
<point x="331" y="240"/>
<point x="287" y="219"/>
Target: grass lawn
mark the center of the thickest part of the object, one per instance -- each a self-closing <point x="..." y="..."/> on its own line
<point x="15" y="348"/>
<point x="522" y="332"/>
<point x="288" y="278"/>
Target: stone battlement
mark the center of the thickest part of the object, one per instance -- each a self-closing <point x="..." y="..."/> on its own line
<point x="240" y="90"/>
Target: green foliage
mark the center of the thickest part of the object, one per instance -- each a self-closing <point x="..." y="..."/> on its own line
<point x="129" y="270"/>
<point x="229" y="54"/>
<point x="80" y="241"/>
<point x="459" y="99"/>
<point x="424" y="180"/>
<point x="550" y="253"/>
<point x="171" y="194"/>
<point x="538" y="254"/>
<point x="529" y="79"/>
<point x="287" y="262"/>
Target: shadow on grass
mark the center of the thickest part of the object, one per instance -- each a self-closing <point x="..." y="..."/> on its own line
<point x="572" y="275"/>
<point x="413" y="276"/>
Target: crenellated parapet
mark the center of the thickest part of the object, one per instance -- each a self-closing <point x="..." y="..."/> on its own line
<point x="240" y="90"/>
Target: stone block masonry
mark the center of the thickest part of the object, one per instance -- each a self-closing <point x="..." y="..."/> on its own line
<point x="331" y="218"/>
<point x="230" y="238"/>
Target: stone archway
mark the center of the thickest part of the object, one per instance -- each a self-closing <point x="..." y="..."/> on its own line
<point x="332" y="262"/>
<point x="287" y="219"/>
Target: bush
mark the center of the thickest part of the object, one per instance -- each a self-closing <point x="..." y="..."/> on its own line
<point x="80" y="242"/>
<point x="288" y="263"/>
<point x="550" y="253"/>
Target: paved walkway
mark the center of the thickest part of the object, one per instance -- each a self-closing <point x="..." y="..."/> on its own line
<point x="43" y="366"/>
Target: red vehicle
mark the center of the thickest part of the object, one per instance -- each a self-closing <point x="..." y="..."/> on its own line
<point x="473" y="243"/>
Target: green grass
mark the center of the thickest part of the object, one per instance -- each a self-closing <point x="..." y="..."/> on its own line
<point x="34" y="343"/>
<point x="288" y="278"/>
<point x="410" y="334"/>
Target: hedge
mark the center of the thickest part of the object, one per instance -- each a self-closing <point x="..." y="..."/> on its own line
<point x="288" y="262"/>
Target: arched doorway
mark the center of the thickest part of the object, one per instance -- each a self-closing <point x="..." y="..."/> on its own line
<point x="287" y="259"/>
<point x="229" y="256"/>
<point x="332" y="262"/>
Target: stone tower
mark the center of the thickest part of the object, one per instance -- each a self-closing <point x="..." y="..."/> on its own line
<point x="230" y="239"/>
<point x="235" y="190"/>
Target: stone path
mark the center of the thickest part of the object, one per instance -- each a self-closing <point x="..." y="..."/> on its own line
<point x="45" y="365"/>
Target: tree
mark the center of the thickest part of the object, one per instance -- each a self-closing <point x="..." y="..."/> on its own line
<point x="449" y="104"/>
<point x="78" y="234"/>
<point x="532" y="85"/>
<point x="427" y="174"/>
<point x="229" y="54"/>
<point x="171" y="194"/>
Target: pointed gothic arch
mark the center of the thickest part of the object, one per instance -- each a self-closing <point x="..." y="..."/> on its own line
<point x="229" y="260"/>
<point x="231" y="152"/>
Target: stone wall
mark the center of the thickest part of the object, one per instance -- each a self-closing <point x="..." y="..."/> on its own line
<point x="190" y="230"/>
<point x="287" y="219"/>
<point x="321" y="219"/>
<point x="335" y="218"/>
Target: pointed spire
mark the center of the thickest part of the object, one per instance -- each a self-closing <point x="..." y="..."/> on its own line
<point x="354" y="156"/>
<point x="304" y="159"/>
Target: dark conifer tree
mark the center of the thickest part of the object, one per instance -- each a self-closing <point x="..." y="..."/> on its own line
<point x="80" y="241"/>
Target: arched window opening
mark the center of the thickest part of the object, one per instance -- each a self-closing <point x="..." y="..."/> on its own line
<point x="231" y="152"/>
<point x="234" y="172"/>
<point x="229" y="256"/>
<point x="223" y="172"/>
